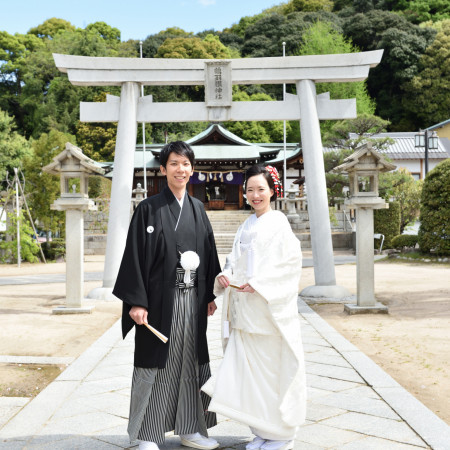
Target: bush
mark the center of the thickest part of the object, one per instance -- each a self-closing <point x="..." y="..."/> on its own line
<point x="434" y="232"/>
<point x="405" y="240"/>
<point x="54" y="248"/>
<point x="387" y="222"/>
<point x="28" y="246"/>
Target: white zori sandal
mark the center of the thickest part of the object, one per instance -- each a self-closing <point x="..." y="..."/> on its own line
<point x="146" y="445"/>
<point x="278" y="445"/>
<point x="196" y="440"/>
<point x="255" y="444"/>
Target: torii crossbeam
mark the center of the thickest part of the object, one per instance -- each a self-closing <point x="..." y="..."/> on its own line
<point x="218" y="76"/>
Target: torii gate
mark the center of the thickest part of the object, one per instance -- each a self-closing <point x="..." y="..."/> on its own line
<point x="218" y="76"/>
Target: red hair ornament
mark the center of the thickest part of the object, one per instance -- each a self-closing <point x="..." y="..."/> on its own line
<point x="276" y="180"/>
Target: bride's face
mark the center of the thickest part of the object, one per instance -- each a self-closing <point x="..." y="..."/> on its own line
<point x="258" y="194"/>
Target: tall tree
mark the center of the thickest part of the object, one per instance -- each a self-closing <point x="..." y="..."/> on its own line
<point x="13" y="147"/>
<point x="321" y="38"/>
<point x="403" y="44"/>
<point x="43" y="188"/>
<point x="428" y="93"/>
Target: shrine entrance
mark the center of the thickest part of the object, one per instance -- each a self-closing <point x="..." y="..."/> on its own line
<point x="218" y="76"/>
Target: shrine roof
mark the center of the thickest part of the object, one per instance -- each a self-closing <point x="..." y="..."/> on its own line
<point x="217" y="134"/>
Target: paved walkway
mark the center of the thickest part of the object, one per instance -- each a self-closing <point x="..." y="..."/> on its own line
<point x="340" y="257"/>
<point x="352" y="403"/>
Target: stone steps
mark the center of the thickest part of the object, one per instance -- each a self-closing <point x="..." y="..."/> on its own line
<point x="225" y="224"/>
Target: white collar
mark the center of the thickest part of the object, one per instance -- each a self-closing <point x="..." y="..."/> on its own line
<point x="180" y="202"/>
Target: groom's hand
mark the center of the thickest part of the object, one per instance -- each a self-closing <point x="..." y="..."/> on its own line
<point x="138" y="314"/>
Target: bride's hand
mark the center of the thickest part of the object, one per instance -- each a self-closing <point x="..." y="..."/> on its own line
<point x="223" y="281"/>
<point x="246" y="288"/>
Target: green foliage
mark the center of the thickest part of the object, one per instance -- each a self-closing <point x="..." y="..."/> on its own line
<point x="428" y="91"/>
<point x="401" y="187"/>
<point x="99" y="187"/>
<point x="51" y="27"/>
<point x="403" y="43"/>
<point x="13" y="146"/>
<point x="312" y="5"/>
<point x="257" y="131"/>
<point x="266" y="36"/>
<point x="387" y="222"/>
<point x="193" y="47"/>
<point x="44" y="188"/>
<point x="54" y="249"/>
<point x="335" y="181"/>
<point x="321" y="38"/>
<point x="434" y="232"/>
<point x="106" y="32"/>
<point x="352" y="133"/>
<point x="405" y="241"/>
<point x="28" y="246"/>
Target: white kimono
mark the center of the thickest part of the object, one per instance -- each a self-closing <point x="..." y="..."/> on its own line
<point x="261" y="381"/>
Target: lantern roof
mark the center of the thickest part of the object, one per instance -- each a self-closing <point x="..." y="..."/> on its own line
<point x="73" y="159"/>
<point x="365" y="158"/>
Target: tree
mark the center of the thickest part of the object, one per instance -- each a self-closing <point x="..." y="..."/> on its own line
<point x="13" y="147"/>
<point x="403" y="44"/>
<point x="266" y="36"/>
<point x="321" y="38"/>
<point x="401" y="187"/>
<point x="45" y="188"/>
<point x="28" y="246"/>
<point x="152" y="43"/>
<point x="351" y="133"/>
<point x="335" y="181"/>
<point x="208" y="48"/>
<point x="51" y="27"/>
<point x="434" y="231"/>
<point x="312" y="5"/>
<point x="268" y="131"/>
<point x="428" y="93"/>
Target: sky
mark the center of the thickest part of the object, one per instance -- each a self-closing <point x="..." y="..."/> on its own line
<point x="136" y="19"/>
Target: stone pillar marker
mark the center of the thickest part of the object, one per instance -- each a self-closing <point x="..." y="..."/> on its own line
<point x="74" y="169"/>
<point x="363" y="168"/>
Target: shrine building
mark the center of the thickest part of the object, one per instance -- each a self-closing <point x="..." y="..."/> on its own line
<point x="221" y="159"/>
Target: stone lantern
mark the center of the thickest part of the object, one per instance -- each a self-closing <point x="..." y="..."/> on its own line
<point x="74" y="169"/>
<point x="363" y="168"/>
<point x="138" y="195"/>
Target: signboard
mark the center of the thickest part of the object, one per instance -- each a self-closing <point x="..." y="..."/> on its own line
<point x="218" y="90"/>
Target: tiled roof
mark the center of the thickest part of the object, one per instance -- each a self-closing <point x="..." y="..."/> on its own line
<point x="404" y="147"/>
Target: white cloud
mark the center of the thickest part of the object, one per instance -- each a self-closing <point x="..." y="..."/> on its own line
<point x="207" y="2"/>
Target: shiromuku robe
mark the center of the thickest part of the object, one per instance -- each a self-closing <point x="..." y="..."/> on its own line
<point x="148" y="270"/>
<point x="261" y="381"/>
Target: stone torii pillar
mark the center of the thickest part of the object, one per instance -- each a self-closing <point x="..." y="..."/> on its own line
<point x="218" y="76"/>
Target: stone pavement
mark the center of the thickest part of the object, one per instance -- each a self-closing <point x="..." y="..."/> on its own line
<point x="352" y="403"/>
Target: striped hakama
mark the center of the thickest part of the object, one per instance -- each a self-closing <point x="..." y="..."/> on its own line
<point x="169" y="399"/>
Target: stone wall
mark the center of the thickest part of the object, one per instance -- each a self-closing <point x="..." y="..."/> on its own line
<point x="95" y="228"/>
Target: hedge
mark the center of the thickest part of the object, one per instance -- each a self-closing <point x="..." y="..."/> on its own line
<point x="387" y="222"/>
<point x="434" y="231"/>
<point x="405" y="240"/>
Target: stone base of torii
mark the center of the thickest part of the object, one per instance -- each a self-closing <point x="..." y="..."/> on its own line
<point x="218" y="76"/>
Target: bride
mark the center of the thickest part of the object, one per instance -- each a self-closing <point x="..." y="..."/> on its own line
<point x="261" y="381"/>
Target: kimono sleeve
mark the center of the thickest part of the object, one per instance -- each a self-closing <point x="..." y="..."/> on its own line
<point x="277" y="264"/>
<point x="130" y="286"/>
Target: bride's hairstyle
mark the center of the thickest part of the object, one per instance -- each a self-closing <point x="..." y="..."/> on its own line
<point x="259" y="169"/>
